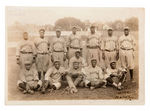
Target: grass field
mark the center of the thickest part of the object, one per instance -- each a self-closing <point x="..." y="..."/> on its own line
<point x="129" y="92"/>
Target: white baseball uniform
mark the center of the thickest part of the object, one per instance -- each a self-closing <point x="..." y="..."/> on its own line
<point x="93" y="47"/>
<point x="74" y="44"/>
<point x="126" y="51"/>
<point x="54" y="75"/>
<point x="110" y="46"/>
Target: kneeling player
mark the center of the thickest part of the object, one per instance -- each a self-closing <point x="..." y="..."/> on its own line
<point x="114" y="76"/>
<point x="94" y="76"/>
<point x="29" y="81"/>
<point x="53" y="77"/>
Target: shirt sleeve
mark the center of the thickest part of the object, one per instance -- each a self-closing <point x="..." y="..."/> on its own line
<point x="101" y="74"/>
<point x="102" y="44"/>
<point x="35" y="74"/>
<point x="84" y="64"/>
<point x="18" y="50"/>
<point x="108" y="73"/>
<point x="34" y="49"/>
<point x="65" y="46"/>
<point x="116" y="43"/>
<point x="51" y="46"/>
<point x="22" y="76"/>
<point x="134" y="44"/>
<point x="48" y="73"/>
<point x="71" y="63"/>
<point x="68" y="41"/>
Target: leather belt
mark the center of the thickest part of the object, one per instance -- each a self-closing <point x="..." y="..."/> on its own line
<point x="58" y="51"/>
<point x="93" y="47"/>
<point x="109" y="50"/>
<point x="26" y="52"/>
<point x="74" y="47"/>
<point x="43" y="53"/>
<point x="125" y="49"/>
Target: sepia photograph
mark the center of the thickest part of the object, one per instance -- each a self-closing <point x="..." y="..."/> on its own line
<point x="68" y="55"/>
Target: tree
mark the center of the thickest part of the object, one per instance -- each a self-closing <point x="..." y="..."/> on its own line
<point x="67" y="23"/>
<point x="132" y="23"/>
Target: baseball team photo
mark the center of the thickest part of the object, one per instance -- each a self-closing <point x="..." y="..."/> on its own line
<point x="73" y="53"/>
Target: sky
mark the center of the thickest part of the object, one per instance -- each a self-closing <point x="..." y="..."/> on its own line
<point x="49" y="15"/>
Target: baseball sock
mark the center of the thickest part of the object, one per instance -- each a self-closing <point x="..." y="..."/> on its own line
<point x="131" y="74"/>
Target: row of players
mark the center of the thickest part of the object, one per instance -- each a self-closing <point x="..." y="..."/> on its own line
<point x="76" y="76"/>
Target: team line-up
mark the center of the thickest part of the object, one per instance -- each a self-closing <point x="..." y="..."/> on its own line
<point x="99" y="69"/>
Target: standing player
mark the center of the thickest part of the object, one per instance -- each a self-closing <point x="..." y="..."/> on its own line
<point x="110" y="48"/>
<point x="42" y="61"/>
<point x="74" y="42"/>
<point x="25" y="51"/>
<point x="126" y="51"/>
<point x="58" y="48"/>
<point x="93" y="46"/>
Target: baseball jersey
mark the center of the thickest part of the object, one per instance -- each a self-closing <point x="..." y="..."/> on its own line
<point x="58" y="44"/>
<point x="93" y="40"/>
<point x="54" y="74"/>
<point x="29" y="75"/>
<point x="25" y="46"/>
<point x="93" y="73"/>
<point x="42" y="45"/>
<point x="110" y="71"/>
<point x="110" y="43"/>
<point x="126" y="42"/>
<point x="81" y="62"/>
<point x="74" y="41"/>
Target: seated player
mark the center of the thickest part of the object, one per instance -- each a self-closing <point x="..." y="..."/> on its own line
<point x="53" y="77"/>
<point x="115" y="76"/>
<point x="29" y="81"/>
<point x="93" y="76"/>
<point x="74" y="76"/>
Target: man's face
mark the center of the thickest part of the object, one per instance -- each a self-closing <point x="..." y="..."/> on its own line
<point x="126" y="32"/>
<point x="93" y="62"/>
<point x="76" y="65"/>
<point x="57" y="65"/>
<point x="25" y="36"/>
<point x="74" y="30"/>
<point x="92" y="30"/>
<point x="27" y="66"/>
<point x="42" y="34"/>
<point x="113" y="65"/>
<point x="110" y="32"/>
<point x="77" y="54"/>
<point x="58" y="33"/>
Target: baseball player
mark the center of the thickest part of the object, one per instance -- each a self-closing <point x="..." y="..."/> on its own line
<point x="93" y="45"/>
<point x="53" y="76"/>
<point x="73" y="43"/>
<point x="75" y="71"/>
<point x="25" y="51"/>
<point x="29" y="81"/>
<point x="58" y="48"/>
<point x="94" y="77"/>
<point x="110" y="48"/>
<point x="126" y="51"/>
<point x="77" y="57"/>
<point x="42" y="60"/>
<point x="114" y="76"/>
